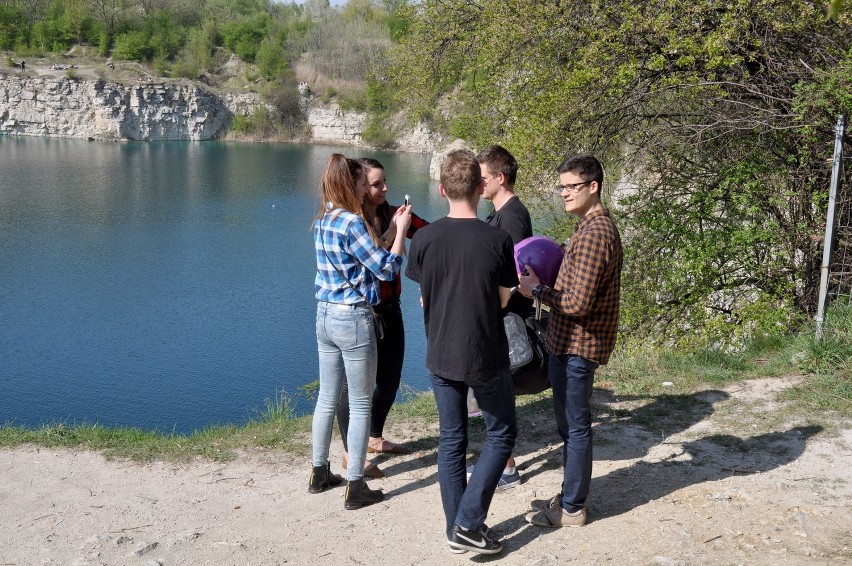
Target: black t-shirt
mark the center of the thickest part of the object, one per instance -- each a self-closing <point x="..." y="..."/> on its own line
<point x="515" y="219"/>
<point x="459" y="264"/>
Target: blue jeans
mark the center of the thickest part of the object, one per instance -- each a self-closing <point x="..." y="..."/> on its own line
<point x="572" y="378"/>
<point x="466" y="504"/>
<point x="390" y="354"/>
<point x="346" y="340"/>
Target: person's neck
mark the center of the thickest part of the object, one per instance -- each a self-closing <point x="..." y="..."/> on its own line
<point x="502" y="198"/>
<point x="594" y="208"/>
<point x="462" y="209"/>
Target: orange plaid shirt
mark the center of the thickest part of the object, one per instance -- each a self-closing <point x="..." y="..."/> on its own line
<point x="584" y="303"/>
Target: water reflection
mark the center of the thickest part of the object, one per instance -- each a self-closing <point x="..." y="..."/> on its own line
<point x="166" y="284"/>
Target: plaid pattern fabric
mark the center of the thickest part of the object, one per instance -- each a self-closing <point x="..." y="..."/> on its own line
<point x="584" y="303"/>
<point x="351" y="252"/>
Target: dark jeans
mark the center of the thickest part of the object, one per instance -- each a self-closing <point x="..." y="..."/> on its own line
<point x="572" y="378"/>
<point x="466" y="504"/>
<point x="391" y="353"/>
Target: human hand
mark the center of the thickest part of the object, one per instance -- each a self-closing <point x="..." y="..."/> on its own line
<point x="402" y="218"/>
<point x="528" y="280"/>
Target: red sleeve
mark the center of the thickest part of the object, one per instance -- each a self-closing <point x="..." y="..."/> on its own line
<point x="416" y="224"/>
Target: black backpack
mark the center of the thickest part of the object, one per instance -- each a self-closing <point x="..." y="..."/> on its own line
<point x="528" y="360"/>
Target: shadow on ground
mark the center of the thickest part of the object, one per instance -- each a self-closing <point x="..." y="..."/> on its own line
<point x="626" y="434"/>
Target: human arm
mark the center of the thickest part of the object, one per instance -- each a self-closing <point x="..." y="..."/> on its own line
<point x="509" y="276"/>
<point x="579" y="276"/>
<point x="401" y="221"/>
<point x="505" y="294"/>
<point x="384" y="264"/>
<point x="416" y="223"/>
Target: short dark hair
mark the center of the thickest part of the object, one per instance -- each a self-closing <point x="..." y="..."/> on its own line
<point x="586" y="166"/>
<point x="460" y="174"/>
<point x="499" y="160"/>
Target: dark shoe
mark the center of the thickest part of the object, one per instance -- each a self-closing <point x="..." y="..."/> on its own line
<point x="359" y="495"/>
<point x="481" y="540"/>
<point x="370" y="469"/>
<point x="322" y="479"/>
<point x="544" y="504"/>
<point x="508" y="481"/>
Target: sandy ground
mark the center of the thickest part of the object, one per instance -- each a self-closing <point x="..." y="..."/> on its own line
<point x="717" y="477"/>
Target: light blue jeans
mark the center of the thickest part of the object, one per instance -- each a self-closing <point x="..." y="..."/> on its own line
<point x="346" y="340"/>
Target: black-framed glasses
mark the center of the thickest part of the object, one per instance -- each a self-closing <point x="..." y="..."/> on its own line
<point x="573" y="187"/>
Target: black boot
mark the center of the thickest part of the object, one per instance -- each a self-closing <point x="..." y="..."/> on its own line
<point x="359" y="495"/>
<point x="322" y="479"/>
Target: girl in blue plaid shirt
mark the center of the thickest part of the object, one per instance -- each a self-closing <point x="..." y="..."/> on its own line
<point x="350" y="263"/>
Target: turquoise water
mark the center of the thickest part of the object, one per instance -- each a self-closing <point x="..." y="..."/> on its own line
<point x="167" y="285"/>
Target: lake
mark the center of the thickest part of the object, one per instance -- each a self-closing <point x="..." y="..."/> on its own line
<point x="169" y="285"/>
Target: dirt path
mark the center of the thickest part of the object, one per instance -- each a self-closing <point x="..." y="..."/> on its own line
<point x="721" y="477"/>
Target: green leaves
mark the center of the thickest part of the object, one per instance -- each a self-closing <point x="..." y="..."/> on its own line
<point x="716" y="119"/>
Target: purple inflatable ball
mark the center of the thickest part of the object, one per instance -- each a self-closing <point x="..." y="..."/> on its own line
<point x="543" y="255"/>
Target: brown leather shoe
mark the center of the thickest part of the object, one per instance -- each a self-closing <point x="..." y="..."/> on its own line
<point x="370" y="469"/>
<point x="382" y="446"/>
<point x="554" y="517"/>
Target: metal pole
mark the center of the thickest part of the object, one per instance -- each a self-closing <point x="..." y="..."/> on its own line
<point x="829" y="223"/>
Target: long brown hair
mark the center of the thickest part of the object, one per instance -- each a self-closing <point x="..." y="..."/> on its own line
<point x="337" y="188"/>
<point x="383" y="211"/>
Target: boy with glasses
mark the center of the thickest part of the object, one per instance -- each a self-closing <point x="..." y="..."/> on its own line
<point x="581" y="333"/>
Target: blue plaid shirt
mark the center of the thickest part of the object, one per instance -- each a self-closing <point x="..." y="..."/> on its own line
<point x="351" y="251"/>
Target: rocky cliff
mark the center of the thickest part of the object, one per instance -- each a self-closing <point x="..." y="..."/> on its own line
<point x="97" y="109"/>
<point x="102" y="110"/>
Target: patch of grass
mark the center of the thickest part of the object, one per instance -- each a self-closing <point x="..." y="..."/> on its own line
<point x="642" y="373"/>
<point x="824" y="392"/>
<point x="629" y="390"/>
<point x="828" y="362"/>
<point x="276" y="427"/>
<point x="416" y="405"/>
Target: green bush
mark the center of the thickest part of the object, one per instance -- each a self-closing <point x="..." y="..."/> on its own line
<point x="164" y="37"/>
<point x="377" y="133"/>
<point x="161" y="65"/>
<point x="103" y="44"/>
<point x="376" y="96"/>
<point x="12" y="23"/>
<point x="271" y="58"/>
<point x="243" y="37"/>
<point x="197" y="53"/>
<point x="283" y="95"/>
<point x="353" y="100"/>
<point x="241" y="124"/>
<point x="132" y="45"/>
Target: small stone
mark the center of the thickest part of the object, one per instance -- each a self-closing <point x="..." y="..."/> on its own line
<point x="145" y="548"/>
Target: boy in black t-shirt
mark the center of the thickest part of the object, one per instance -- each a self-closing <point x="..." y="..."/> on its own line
<point x="466" y="269"/>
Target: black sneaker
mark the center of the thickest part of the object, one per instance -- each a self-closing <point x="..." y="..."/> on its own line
<point x="482" y="540"/>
